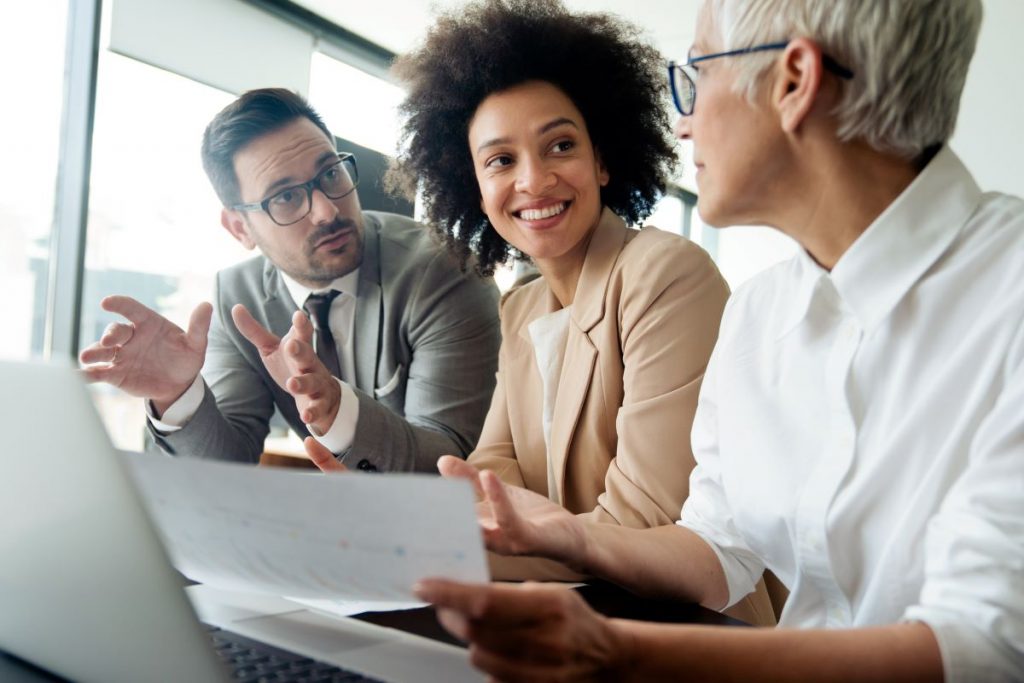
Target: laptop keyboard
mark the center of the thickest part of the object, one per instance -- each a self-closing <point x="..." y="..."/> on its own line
<point x="252" y="661"/>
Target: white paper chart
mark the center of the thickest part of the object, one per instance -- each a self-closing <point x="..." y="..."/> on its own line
<point x="310" y="535"/>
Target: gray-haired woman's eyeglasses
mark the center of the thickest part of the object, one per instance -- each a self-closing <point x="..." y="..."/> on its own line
<point x="684" y="86"/>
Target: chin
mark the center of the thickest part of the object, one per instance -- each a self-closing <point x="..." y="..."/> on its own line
<point x="708" y="213"/>
<point x="713" y="214"/>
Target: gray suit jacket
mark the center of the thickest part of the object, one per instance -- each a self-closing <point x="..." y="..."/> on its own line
<point x="426" y="342"/>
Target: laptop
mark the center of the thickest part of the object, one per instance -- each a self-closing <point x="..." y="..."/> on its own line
<point x="87" y="591"/>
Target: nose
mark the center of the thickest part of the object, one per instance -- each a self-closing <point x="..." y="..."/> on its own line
<point x="322" y="209"/>
<point x="534" y="176"/>
<point x="682" y="127"/>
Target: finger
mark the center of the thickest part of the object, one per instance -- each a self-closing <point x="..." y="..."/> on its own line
<point x="509" y="668"/>
<point x="497" y="604"/>
<point x="97" y="353"/>
<point x="265" y="342"/>
<point x="454" y="622"/>
<point x="97" y="373"/>
<point x="492" y="605"/>
<point x="457" y="468"/>
<point x="316" y="411"/>
<point x="302" y="358"/>
<point x="468" y="599"/>
<point x="322" y="457"/>
<point x="504" y="512"/>
<point x="303" y="327"/>
<point x="127" y="307"/>
<point x="199" y="324"/>
<point x="310" y="385"/>
<point x="117" y="334"/>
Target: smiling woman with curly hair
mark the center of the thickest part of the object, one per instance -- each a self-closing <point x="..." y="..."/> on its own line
<point x="614" y="80"/>
<point x="532" y="131"/>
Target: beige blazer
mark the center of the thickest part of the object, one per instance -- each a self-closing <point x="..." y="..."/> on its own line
<point x="644" y="320"/>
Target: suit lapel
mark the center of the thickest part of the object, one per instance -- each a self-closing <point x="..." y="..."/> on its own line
<point x="277" y="302"/>
<point x="573" y="385"/>
<point x="366" y="328"/>
<point x="580" y="352"/>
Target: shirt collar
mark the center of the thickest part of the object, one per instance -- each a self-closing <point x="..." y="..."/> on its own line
<point x="898" y="248"/>
<point x="346" y="284"/>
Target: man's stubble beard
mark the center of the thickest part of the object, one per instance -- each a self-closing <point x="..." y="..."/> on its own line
<point x="322" y="273"/>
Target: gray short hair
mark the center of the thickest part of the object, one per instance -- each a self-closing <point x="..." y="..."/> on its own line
<point x="909" y="57"/>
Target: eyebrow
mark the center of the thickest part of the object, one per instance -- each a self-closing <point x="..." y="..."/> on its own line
<point x="554" y="123"/>
<point x="288" y="181"/>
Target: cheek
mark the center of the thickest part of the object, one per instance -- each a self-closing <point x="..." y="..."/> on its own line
<point x="289" y="246"/>
<point x="491" y="198"/>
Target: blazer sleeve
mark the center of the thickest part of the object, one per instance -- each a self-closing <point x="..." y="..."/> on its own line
<point x="233" y="419"/>
<point x="670" y="310"/>
<point x="453" y="333"/>
<point x="495" y="451"/>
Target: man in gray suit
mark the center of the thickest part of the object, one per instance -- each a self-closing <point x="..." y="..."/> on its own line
<point x="394" y="365"/>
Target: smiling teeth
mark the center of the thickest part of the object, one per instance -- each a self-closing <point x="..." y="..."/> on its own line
<point x="546" y="212"/>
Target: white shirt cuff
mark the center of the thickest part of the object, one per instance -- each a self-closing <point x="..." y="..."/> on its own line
<point x="742" y="569"/>
<point x="179" y="412"/>
<point x="339" y="437"/>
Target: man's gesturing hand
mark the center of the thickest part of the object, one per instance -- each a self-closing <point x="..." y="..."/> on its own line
<point x="148" y="356"/>
<point x="290" y="360"/>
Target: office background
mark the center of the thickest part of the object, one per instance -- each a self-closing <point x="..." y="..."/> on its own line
<point x="101" y="188"/>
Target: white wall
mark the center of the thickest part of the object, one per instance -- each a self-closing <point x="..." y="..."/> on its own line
<point x="990" y="131"/>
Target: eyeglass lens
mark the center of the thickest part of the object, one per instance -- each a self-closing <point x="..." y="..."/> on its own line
<point x="683" y="90"/>
<point x="292" y="204"/>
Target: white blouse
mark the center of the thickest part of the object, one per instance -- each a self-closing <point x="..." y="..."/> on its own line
<point x="861" y="432"/>
<point x="549" y="334"/>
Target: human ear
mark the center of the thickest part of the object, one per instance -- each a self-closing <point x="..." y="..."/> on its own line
<point x="234" y="223"/>
<point x="602" y="170"/>
<point x="798" y="83"/>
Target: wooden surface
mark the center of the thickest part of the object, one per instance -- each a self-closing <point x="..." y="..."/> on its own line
<point x="285" y="451"/>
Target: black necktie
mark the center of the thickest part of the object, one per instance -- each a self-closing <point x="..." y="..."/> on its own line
<point x="318" y="306"/>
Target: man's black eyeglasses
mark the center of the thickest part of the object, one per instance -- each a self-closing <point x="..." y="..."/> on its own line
<point x="294" y="203"/>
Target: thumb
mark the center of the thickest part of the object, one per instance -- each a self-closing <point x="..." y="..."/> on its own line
<point x="199" y="324"/>
<point x="264" y="341"/>
<point x="456" y="468"/>
<point x="322" y="457"/>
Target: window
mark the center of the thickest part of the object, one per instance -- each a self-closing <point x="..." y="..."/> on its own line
<point x="29" y="141"/>
<point x="154" y="221"/>
<point x="355" y="105"/>
<point x="743" y="251"/>
<point x="669" y="215"/>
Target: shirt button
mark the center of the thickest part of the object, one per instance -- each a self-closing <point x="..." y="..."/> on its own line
<point x="366" y="466"/>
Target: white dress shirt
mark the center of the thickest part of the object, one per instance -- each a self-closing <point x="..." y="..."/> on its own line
<point x="341" y="319"/>
<point x="861" y="432"/>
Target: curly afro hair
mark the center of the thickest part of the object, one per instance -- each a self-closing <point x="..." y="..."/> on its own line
<point x="614" y="79"/>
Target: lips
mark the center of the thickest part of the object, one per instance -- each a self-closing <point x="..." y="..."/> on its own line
<point x="334" y="240"/>
<point x="334" y="236"/>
